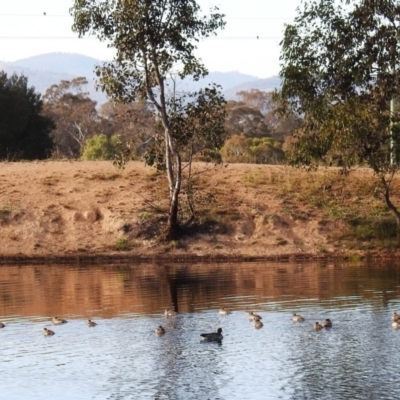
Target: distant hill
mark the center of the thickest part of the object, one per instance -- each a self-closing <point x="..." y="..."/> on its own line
<point x="39" y="78"/>
<point x="64" y="63"/>
<point x="267" y="85"/>
<point x="47" y="69"/>
<point x="224" y="79"/>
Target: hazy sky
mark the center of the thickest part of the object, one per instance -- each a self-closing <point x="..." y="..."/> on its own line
<point x="25" y="31"/>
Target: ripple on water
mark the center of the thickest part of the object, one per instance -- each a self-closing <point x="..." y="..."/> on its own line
<point x="123" y="358"/>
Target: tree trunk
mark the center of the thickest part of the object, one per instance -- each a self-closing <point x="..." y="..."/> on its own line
<point x="173" y="223"/>
<point x="174" y="172"/>
<point x="389" y="203"/>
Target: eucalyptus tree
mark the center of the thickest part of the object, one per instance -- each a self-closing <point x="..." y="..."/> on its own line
<point x="340" y="64"/>
<point x="24" y="131"/>
<point x="75" y="116"/>
<point x="133" y="123"/>
<point x="152" y="38"/>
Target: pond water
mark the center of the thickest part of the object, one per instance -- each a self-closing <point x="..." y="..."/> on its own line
<point x="123" y="358"/>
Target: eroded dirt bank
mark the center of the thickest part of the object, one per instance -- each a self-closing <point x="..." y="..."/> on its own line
<point x="92" y="212"/>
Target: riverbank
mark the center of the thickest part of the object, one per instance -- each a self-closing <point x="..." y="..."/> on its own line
<point x="90" y="212"/>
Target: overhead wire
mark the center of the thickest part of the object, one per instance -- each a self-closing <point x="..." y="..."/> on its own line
<point x="43" y="15"/>
<point x="94" y="38"/>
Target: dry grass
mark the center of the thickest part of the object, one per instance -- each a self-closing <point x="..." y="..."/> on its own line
<point x="91" y="207"/>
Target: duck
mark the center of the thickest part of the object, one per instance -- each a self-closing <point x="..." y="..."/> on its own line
<point x="170" y="313"/>
<point x="224" y="311"/>
<point x="318" y="326"/>
<point x="327" y="323"/>
<point x="212" y="337"/>
<point x="91" y="323"/>
<point x="253" y="317"/>
<point x="396" y="324"/>
<point x="160" y="330"/>
<point x="258" y="324"/>
<point x="47" y="332"/>
<point x="58" y="321"/>
<point x="297" y="318"/>
<point x="2" y="325"/>
<point x="395" y="316"/>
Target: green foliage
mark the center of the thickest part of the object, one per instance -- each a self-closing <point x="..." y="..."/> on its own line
<point x="144" y="215"/>
<point x="373" y="230"/>
<point x="241" y="149"/>
<point x="123" y="244"/>
<point x="151" y="38"/>
<point x="246" y="119"/>
<point x="134" y="123"/>
<point x="75" y="116"/>
<point x="24" y="132"/>
<point x="101" y="147"/>
<point x="341" y="68"/>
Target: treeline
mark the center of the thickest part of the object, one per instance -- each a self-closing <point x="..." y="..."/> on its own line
<point x="66" y="123"/>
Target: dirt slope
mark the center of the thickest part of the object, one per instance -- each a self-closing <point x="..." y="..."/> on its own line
<point x="91" y="208"/>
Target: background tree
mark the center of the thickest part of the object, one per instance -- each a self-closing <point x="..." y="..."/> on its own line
<point x="256" y="132"/>
<point x="340" y="64"/>
<point x="255" y="115"/>
<point x="75" y="116"/>
<point x="242" y="149"/>
<point x="133" y="123"/>
<point x="246" y="119"/>
<point x="151" y="38"/>
<point x="24" y="131"/>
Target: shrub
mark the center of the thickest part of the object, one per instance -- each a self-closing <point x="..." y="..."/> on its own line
<point x="242" y="149"/>
<point x="101" y="147"/>
<point x="122" y="244"/>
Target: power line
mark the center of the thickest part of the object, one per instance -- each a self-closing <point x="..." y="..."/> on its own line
<point x="261" y="18"/>
<point x="68" y="16"/>
<point x="94" y="38"/>
<point x="35" y="15"/>
<point x="245" y="38"/>
<point x="47" y="38"/>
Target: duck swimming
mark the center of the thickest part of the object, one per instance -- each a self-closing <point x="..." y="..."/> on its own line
<point x="253" y="317"/>
<point x="91" y="323"/>
<point x="224" y="311"/>
<point x="170" y="313"/>
<point x="58" y="321"/>
<point x="297" y="318"/>
<point x="47" y="332"/>
<point x="160" y="330"/>
<point x="212" y="337"/>
<point x="258" y="324"/>
<point x="2" y="325"/>
<point x="396" y="324"/>
<point x="327" y="323"/>
<point x="318" y="326"/>
<point x="395" y="316"/>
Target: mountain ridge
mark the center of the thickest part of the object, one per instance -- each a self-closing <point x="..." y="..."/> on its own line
<point x="48" y="69"/>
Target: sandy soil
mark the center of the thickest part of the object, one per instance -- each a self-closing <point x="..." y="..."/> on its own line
<point x="67" y="209"/>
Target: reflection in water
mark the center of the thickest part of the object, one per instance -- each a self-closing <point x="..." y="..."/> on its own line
<point x="123" y="358"/>
<point x="112" y="290"/>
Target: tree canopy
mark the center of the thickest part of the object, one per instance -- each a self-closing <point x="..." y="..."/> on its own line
<point x="340" y="64"/>
<point x="133" y="123"/>
<point x="75" y="116"/>
<point x="152" y="39"/>
<point x="24" y="131"/>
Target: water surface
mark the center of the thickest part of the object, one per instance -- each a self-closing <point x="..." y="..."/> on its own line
<point x="123" y="358"/>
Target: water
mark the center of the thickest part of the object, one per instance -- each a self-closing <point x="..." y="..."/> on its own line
<point x="123" y="358"/>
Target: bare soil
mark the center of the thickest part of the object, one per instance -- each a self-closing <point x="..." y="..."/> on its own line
<point x="92" y="210"/>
